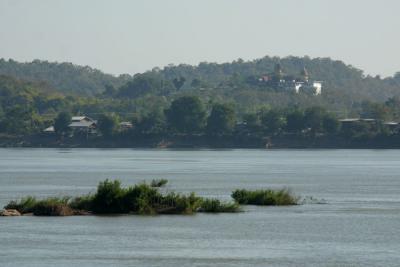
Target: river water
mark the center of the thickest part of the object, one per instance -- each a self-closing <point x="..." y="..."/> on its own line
<point x="359" y="224"/>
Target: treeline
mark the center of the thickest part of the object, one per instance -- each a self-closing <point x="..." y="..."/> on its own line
<point x="27" y="108"/>
<point x="189" y="117"/>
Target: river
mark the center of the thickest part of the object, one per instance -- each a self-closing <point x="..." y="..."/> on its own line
<point x="359" y="224"/>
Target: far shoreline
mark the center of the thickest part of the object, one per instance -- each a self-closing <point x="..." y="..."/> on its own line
<point x="201" y="142"/>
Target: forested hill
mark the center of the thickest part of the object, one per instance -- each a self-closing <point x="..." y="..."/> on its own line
<point x="335" y="74"/>
<point x="343" y="85"/>
<point x="66" y="77"/>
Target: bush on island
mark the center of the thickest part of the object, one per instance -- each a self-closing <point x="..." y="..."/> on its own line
<point x="268" y="197"/>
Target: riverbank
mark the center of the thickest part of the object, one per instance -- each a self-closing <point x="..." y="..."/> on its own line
<point x="203" y="141"/>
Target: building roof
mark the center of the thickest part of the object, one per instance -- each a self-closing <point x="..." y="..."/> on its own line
<point x="81" y="124"/>
<point x="125" y="123"/>
<point x="49" y="129"/>
<point x="349" y="120"/>
<point x="81" y="118"/>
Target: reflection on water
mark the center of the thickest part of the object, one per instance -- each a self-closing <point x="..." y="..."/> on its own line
<point x="358" y="226"/>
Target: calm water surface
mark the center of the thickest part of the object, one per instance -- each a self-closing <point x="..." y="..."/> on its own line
<point x="359" y="225"/>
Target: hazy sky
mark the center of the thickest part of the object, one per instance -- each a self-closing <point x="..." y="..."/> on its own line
<point x="129" y="36"/>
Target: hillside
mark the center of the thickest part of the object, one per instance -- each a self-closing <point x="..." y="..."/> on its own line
<point x="336" y="75"/>
<point x="67" y="77"/>
<point x="345" y="88"/>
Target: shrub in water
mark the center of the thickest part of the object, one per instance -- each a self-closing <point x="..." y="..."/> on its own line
<point x="215" y="205"/>
<point x="140" y="198"/>
<point x="179" y="204"/>
<point x="158" y="182"/>
<point x="266" y="197"/>
<point x="109" y="198"/>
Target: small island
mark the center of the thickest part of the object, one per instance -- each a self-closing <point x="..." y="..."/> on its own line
<point x="143" y="199"/>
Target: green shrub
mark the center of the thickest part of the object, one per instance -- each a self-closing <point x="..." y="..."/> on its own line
<point x="141" y="199"/>
<point x="82" y="203"/>
<point x="108" y="198"/>
<point x="266" y="197"/>
<point x="179" y="204"/>
<point x="158" y="182"/>
<point x="215" y="205"/>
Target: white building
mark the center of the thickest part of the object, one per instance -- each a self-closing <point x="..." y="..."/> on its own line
<point x="314" y="87"/>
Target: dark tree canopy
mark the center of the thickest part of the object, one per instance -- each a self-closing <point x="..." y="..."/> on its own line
<point x="313" y="118"/>
<point x="107" y="124"/>
<point x="186" y="115"/>
<point x="152" y="123"/>
<point x="222" y="120"/>
<point x="272" y="121"/>
<point x="62" y="122"/>
<point x="295" y="121"/>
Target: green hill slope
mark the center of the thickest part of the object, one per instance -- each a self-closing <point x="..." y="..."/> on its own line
<point x="67" y="77"/>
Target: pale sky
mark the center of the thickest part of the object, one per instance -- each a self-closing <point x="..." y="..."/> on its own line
<point x="129" y="36"/>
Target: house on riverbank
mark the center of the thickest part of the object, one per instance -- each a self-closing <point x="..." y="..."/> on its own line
<point x="78" y="125"/>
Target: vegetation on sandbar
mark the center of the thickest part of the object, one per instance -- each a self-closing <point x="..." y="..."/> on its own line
<point x="111" y="198"/>
<point x="268" y="197"/>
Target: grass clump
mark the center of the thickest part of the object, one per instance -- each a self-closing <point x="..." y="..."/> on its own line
<point x="47" y="207"/>
<point x="25" y="205"/>
<point x="176" y="204"/>
<point x="82" y="203"/>
<point x="158" y="182"/>
<point x="268" y="197"/>
<point x="216" y="206"/>
<point x="53" y="207"/>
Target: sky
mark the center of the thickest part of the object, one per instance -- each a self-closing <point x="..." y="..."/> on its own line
<point x="130" y="36"/>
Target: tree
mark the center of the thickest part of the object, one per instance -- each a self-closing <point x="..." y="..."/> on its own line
<point x="196" y="83"/>
<point x="330" y="124"/>
<point x="109" y="91"/>
<point x="222" y="120"/>
<point x="62" y="122"/>
<point x="143" y="84"/>
<point x="376" y="111"/>
<point x="152" y="123"/>
<point x="295" y="121"/>
<point x="186" y="115"/>
<point x="313" y="119"/>
<point x="272" y="121"/>
<point x="178" y="83"/>
<point x="107" y="124"/>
